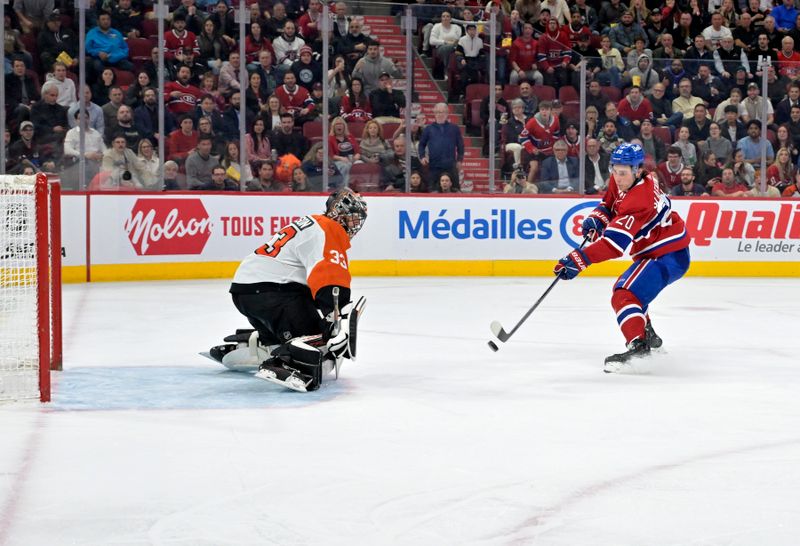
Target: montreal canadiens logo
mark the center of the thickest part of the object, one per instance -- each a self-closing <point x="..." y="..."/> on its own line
<point x="160" y="227"/>
<point x="571" y="222"/>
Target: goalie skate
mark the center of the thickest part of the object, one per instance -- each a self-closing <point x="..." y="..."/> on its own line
<point x="285" y="377"/>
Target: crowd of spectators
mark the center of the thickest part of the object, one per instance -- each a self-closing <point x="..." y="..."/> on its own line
<point x="679" y="76"/>
<point x="682" y="77"/>
<point x="203" y="97"/>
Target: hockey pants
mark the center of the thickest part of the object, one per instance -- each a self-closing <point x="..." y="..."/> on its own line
<point x="280" y="315"/>
<point x="639" y="285"/>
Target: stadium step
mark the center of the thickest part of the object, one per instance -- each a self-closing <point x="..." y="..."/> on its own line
<point x="380" y="30"/>
<point x="381" y="20"/>
<point x="431" y="96"/>
<point x="430" y="92"/>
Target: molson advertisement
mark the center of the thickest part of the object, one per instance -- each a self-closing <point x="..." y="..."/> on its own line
<point x="193" y="235"/>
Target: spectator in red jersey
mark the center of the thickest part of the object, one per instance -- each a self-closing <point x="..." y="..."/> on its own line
<point x="788" y="59"/>
<point x="181" y="96"/>
<point x="355" y="105"/>
<point x="524" y="58"/>
<point x="728" y="186"/>
<point x="343" y="148"/>
<point x="576" y="27"/>
<point x="554" y="56"/>
<point x="182" y="141"/>
<point x="573" y="139"/>
<point x="309" y="22"/>
<point x="782" y="172"/>
<point x="635" y="107"/>
<point x="670" y="170"/>
<point x="541" y="132"/>
<point x="177" y="39"/>
<point x="293" y="98"/>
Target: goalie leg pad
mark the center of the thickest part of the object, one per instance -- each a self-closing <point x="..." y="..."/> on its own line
<point x="296" y="365"/>
<point x="305" y="354"/>
<point x="245" y="355"/>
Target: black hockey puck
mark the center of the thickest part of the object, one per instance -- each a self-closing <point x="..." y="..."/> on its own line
<point x="493" y="346"/>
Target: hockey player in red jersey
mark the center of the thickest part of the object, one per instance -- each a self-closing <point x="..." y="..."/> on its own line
<point x="295" y="292"/>
<point x="637" y="217"/>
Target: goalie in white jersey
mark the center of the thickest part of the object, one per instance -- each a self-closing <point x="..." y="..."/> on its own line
<point x="295" y="292"/>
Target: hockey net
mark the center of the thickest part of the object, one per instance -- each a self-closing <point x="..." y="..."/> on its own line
<point x="30" y="286"/>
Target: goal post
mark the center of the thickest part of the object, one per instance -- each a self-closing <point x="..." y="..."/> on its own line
<point x="30" y="286"/>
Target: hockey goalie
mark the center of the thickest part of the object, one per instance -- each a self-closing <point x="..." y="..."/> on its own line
<point x="295" y="292"/>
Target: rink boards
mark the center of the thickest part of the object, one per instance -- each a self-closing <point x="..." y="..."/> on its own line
<point x="138" y="236"/>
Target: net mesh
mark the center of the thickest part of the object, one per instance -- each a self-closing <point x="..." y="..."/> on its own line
<point x="19" y="350"/>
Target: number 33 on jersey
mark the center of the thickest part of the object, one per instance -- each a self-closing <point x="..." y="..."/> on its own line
<point x="311" y="250"/>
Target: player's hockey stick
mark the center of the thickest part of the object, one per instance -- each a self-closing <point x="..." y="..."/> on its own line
<point x="497" y="328"/>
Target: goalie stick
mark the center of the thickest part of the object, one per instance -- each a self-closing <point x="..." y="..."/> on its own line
<point x="497" y="328"/>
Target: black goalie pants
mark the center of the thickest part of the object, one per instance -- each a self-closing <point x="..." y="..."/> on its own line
<point x="280" y="312"/>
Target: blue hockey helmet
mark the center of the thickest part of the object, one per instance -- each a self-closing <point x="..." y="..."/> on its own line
<point x="628" y="154"/>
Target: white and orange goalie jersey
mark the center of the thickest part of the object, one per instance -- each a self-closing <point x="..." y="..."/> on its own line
<point x="311" y="251"/>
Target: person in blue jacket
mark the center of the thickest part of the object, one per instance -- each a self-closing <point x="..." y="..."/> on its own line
<point x="106" y="46"/>
<point x="441" y="147"/>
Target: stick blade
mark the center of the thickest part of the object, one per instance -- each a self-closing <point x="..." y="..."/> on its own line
<point x="497" y="330"/>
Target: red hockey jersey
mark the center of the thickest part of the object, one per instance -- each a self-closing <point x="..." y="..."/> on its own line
<point x="186" y="102"/>
<point x="524" y="53"/>
<point x="642" y="221"/>
<point x="668" y="176"/>
<point x="294" y="101"/>
<point x="553" y="50"/>
<point x="174" y="43"/>
<point x="539" y="135"/>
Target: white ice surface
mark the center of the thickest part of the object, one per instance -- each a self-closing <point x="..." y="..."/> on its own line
<point x="429" y="438"/>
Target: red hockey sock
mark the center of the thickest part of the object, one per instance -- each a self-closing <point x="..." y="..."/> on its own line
<point x="630" y="317"/>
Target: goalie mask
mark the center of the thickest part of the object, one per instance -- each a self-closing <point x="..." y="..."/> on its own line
<point x="348" y="208"/>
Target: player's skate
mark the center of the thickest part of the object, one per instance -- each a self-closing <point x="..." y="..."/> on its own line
<point x="637" y="348"/>
<point x="242" y="353"/>
<point x="653" y="339"/>
<point x="274" y="371"/>
<point x="219" y="352"/>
